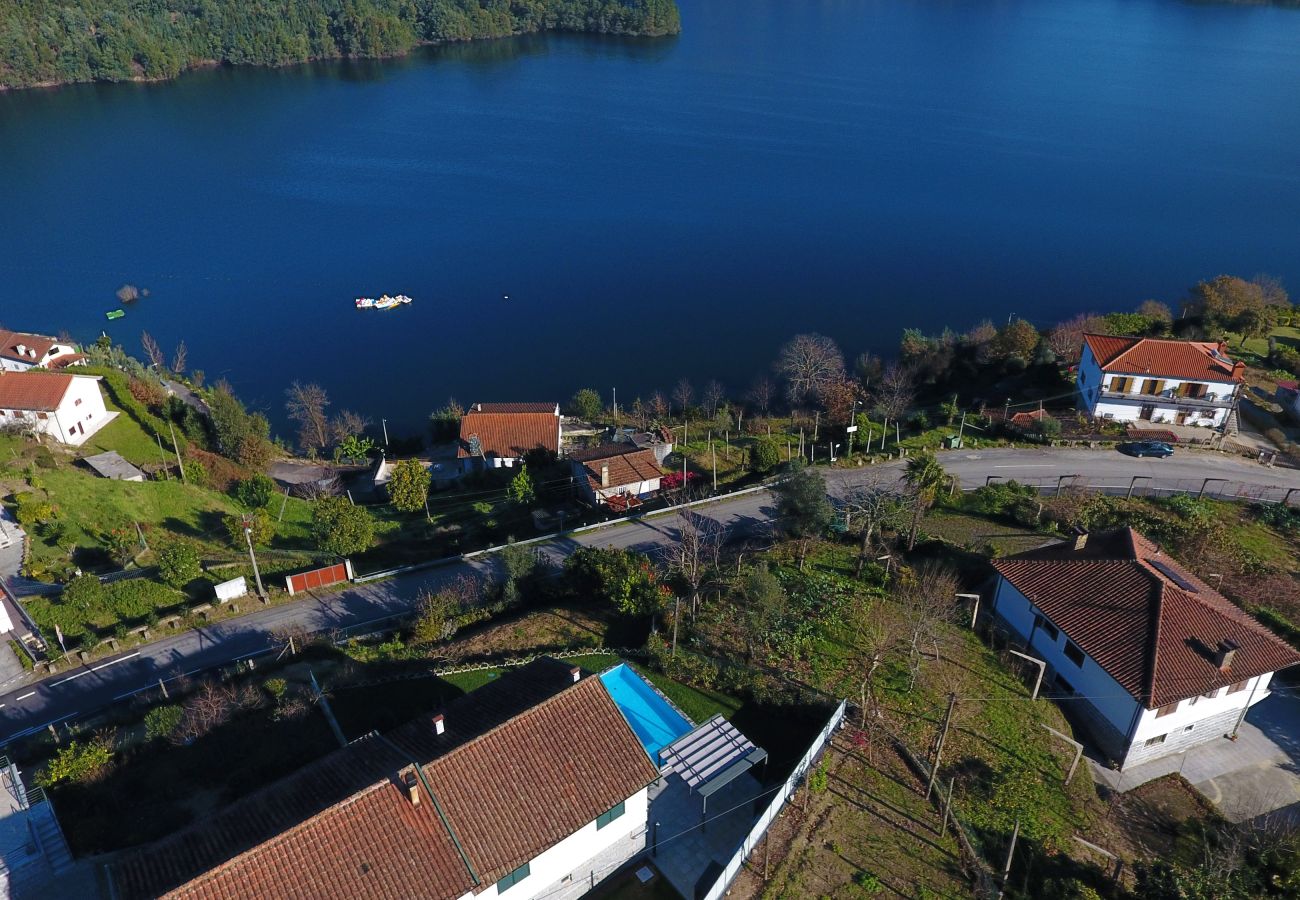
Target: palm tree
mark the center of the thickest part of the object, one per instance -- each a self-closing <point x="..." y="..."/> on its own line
<point x="926" y="477"/>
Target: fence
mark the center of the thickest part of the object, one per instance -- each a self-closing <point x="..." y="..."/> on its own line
<point x="1149" y="486"/>
<point x="317" y="578"/>
<point x="769" y="815"/>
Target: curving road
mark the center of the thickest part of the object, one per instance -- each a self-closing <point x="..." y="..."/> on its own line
<point x="81" y="691"/>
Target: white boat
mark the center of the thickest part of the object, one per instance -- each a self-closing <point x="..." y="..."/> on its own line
<point x="384" y="302"/>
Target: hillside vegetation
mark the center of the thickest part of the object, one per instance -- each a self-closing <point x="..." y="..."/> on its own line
<point x="49" y="42"/>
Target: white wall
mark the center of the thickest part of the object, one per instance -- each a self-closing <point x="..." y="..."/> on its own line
<point x="80" y="414"/>
<point x="1189" y="713"/>
<point x="640" y="489"/>
<point x="14" y="365"/>
<point x="569" y="856"/>
<point x="1115" y="704"/>
<point x="1092" y="380"/>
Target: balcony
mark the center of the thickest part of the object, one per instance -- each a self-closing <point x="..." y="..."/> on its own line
<point x="1171" y="400"/>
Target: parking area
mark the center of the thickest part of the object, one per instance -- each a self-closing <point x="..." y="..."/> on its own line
<point x="1257" y="774"/>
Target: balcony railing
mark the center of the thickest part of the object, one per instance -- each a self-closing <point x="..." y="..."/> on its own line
<point x="1171" y="399"/>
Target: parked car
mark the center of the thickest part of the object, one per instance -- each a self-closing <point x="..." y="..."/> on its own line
<point x="1147" y="448"/>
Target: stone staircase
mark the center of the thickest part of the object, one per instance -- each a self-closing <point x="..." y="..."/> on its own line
<point x="1230" y="424"/>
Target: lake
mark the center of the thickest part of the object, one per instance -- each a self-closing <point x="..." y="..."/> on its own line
<point x="658" y="209"/>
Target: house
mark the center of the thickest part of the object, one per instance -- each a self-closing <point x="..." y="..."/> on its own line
<point x="532" y="786"/>
<point x="496" y="435"/>
<point x="616" y="475"/>
<point x="69" y="408"/>
<point x="1157" y="660"/>
<point x="1157" y="380"/>
<point x="658" y="439"/>
<point x="113" y="466"/>
<point x="20" y="351"/>
<point x="442" y="473"/>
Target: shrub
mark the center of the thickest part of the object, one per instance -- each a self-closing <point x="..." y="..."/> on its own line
<point x="136" y="598"/>
<point x="261" y="528"/>
<point x="84" y="593"/>
<point x="179" y="564"/>
<point x="408" y="485"/>
<point x="764" y="455"/>
<point x="919" y="421"/>
<point x="150" y="393"/>
<point x="276" y="687"/>
<point x="339" y="528"/>
<point x="819" y="779"/>
<point x="221" y="473"/>
<point x="1047" y="428"/>
<point x="161" y="722"/>
<point x="32" y="509"/>
<point x="79" y="762"/>
<point x="255" y="492"/>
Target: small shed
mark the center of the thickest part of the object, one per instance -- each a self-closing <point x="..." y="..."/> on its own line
<point x="230" y="590"/>
<point x="112" y="465"/>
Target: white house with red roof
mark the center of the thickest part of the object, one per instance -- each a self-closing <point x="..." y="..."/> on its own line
<point x="20" y="351"/>
<point x="1150" y="659"/>
<point x="1156" y="380"/>
<point x="68" y="408"/>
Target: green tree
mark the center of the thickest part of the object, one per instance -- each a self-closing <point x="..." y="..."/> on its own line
<point x="1017" y="339"/>
<point x="179" y="563"/>
<point x="261" y="528"/>
<point x="586" y="405"/>
<point x="162" y="722"/>
<point x="121" y="544"/>
<point x="764" y="455"/>
<point x="521" y="490"/>
<point x="926" y="477"/>
<point x="79" y="762"/>
<point x="408" y="485"/>
<point x="339" y="528"/>
<point x="802" y="504"/>
<point x="623" y="578"/>
<point x="354" y="446"/>
<point x="255" y="492"/>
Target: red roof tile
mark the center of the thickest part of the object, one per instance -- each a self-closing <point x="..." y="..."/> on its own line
<point x="1152" y="625"/>
<point x="1172" y="359"/>
<point x="509" y="430"/>
<point x="523" y="762"/>
<point x="37" y="391"/>
<point x="626" y="466"/>
<point x="9" y="341"/>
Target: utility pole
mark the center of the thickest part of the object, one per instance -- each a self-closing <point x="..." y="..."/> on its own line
<point x="177" y="447"/>
<point x="162" y="454"/>
<point x="384" y="422"/>
<point x="938" y="749"/>
<point x="817" y="421"/>
<point x="961" y="429"/>
<point x="615" y="407"/>
<point x="257" y="576"/>
<point x="714" y="455"/>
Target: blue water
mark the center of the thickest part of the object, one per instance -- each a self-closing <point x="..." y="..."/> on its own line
<point x="658" y="209"/>
<point x="655" y="722"/>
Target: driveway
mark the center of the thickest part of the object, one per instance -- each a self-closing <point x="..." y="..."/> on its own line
<point x="1256" y="774"/>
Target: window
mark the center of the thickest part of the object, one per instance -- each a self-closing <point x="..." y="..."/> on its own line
<point x="1210" y="695"/>
<point x="77" y="402"/>
<point x="1046" y="626"/>
<point x="606" y="817"/>
<point x="1189" y="728"/>
<point x="1158" y="739"/>
<point x="1064" y="685"/>
<point x="1239" y="686"/>
<point x="42" y="415"/>
<point x="1167" y="709"/>
<point x="1074" y="654"/>
<point x="513" y="878"/>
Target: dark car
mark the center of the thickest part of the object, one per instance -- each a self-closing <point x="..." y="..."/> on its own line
<point x="1147" y="448"/>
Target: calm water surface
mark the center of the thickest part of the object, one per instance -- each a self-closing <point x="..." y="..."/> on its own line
<point x="658" y="209"/>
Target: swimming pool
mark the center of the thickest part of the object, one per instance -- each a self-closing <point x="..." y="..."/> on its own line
<point x="653" y="719"/>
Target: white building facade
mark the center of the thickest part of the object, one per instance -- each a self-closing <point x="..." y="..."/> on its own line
<point x="1159" y="381"/>
<point x="68" y="408"/>
<point x="20" y="351"/>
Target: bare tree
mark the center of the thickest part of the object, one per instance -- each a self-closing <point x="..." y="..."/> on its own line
<point x="153" y="351"/>
<point x="659" y="407"/>
<point x="1065" y="339"/>
<point x="179" y="358"/>
<point x="868" y="367"/>
<point x="714" y="393"/>
<point x="348" y="423"/>
<point x="927" y="598"/>
<point x="128" y="293"/>
<point x="808" y="362"/>
<point x="209" y="707"/>
<point x="306" y="407"/>
<point x="869" y="509"/>
<point x="762" y="394"/>
<point x="696" y="552"/>
<point x="683" y="394"/>
<point x="894" y="392"/>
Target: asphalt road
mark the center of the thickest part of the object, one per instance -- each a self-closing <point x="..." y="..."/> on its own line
<point x="80" y="691"/>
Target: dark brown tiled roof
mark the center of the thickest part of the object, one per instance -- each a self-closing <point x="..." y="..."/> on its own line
<point x="9" y="341"/>
<point x="524" y="762"/>
<point x="1198" y="360"/>
<point x="509" y="430"/>
<point x="626" y="466"/>
<point x="1151" y="624"/>
<point x="39" y="391"/>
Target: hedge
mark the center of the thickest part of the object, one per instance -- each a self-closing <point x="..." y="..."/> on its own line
<point x="117" y="384"/>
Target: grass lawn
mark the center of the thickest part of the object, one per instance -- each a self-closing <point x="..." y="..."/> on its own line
<point x="125" y="436"/>
<point x="975" y="532"/>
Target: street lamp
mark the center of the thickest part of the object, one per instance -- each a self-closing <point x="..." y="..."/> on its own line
<point x="834" y="447"/>
<point x="248" y="536"/>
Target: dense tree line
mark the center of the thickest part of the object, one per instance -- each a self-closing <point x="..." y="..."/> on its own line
<point x="54" y="41"/>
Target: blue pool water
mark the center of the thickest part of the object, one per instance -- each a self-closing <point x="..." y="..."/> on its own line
<point x="655" y="722"/>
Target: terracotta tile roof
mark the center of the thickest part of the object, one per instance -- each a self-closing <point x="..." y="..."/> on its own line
<point x="509" y="430"/>
<point x="1172" y="359"/>
<point x="626" y="467"/>
<point x="37" y="391"/>
<point x="524" y="762"/>
<point x="1151" y="624"/>
<point x="65" y="360"/>
<point x="9" y="341"/>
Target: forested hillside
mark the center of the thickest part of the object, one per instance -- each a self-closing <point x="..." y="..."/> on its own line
<point x="52" y="41"/>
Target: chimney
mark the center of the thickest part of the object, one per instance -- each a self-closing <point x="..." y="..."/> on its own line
<point x="1225" y="653"/>
<point x="439" y="726"/>
<point x="478" y="407"/>
<point x="576" y="673"/>
<point x="31" y="351"/>
<point x="604" y="475"/>
<point x="22" y="349"/>
<point x="1080" y="538"/>
<point x="412" y="788"/>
